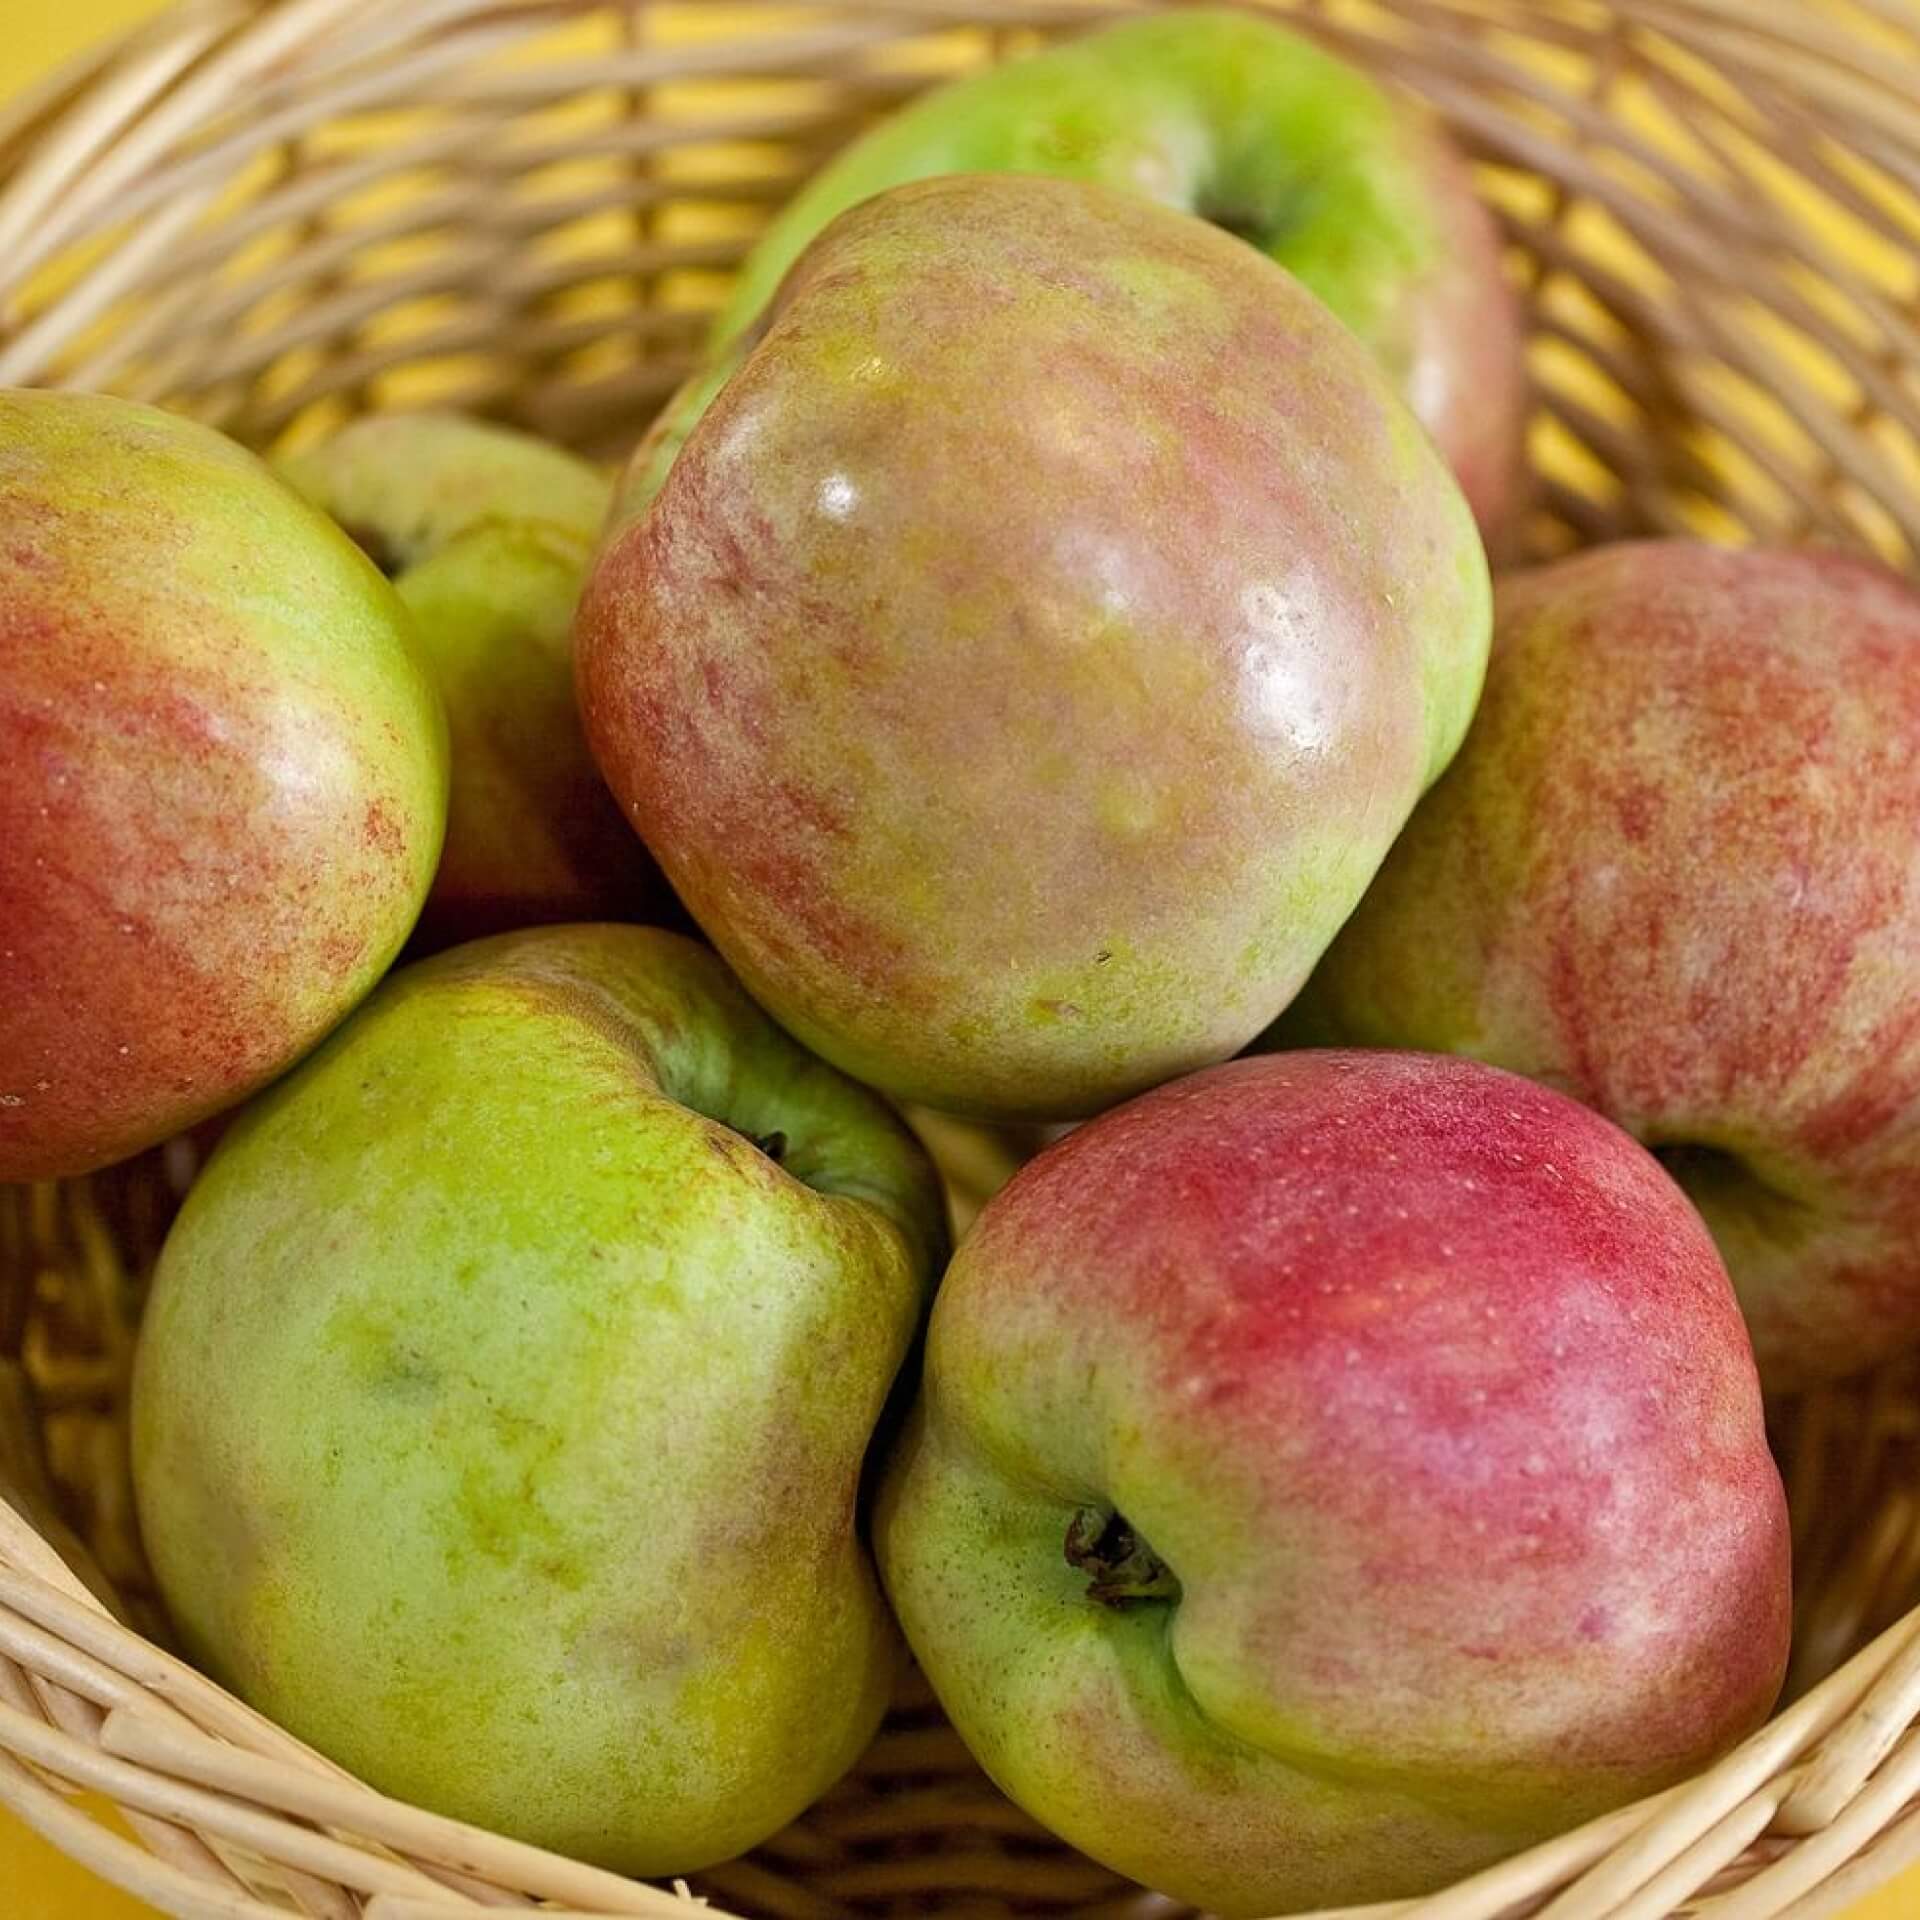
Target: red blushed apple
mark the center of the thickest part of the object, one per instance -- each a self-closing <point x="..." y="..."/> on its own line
<point x="1673" y="873"/>
<point x="1333" y="1472"/>
<point x="1035" y="647"/>
<point x="223" y="778"/>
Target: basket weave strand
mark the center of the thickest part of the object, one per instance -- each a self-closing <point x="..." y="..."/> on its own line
<point x="276" y="216"/>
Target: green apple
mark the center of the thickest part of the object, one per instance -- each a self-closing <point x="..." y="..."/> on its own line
<point x="1036" y="646"/>
<point x="1334" y="1472"/>
<point x="502" y="1404"/>
<point x="1672" y="873"/>
<point x="487" y="534"/>
<point x="223" y="778"/>
<point x="1231" y="117"/>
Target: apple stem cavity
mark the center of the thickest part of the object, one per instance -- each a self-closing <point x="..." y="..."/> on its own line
<point x="1120" y="1566"/>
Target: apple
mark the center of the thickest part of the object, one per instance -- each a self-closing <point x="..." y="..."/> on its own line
<point x="1233" y="118"/>
<point x="487" y="533"/>
<point x="1672" y="874"/>
<point x="225" y="778"/>
<point x="1333" y="1472"/>
<point x="500" y="1411"/>
<point x="1036" y="646"/>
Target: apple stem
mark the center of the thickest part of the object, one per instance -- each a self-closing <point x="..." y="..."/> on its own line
<point x="1121" y="1567"/>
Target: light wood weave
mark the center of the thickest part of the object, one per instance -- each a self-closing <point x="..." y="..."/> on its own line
<point x="277" y="215"/>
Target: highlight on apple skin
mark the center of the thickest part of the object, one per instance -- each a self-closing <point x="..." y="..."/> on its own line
<point x="1672" y="873"/>
<point x="1219" y="113"/>
<point x="1334" y="1472"/>
<point x="1036" y="646"/>
<point x="225" y="778"/>
<point x="502" y="1406"/>
<point x="487" y="534"/>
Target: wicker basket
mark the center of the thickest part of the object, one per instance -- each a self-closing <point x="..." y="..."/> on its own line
<point x="277" y="215"/>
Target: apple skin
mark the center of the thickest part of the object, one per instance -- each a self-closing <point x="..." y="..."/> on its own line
<point x="226" y="777"/>
<point x="1671" y="873"/>
<point x="1427" y="1402"/>
<point x="406" y="485"/>
<point x="499" y="1415"/>
<point x="1216" y="112"/>
<point x="1021" y="706"/>
<point x="487" y="533"/>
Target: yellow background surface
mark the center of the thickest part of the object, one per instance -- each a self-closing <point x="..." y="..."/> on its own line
<point x="37" y="1882"/>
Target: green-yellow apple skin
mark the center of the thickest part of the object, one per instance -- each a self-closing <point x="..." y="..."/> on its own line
<point x="223" y="778"/>
<point x="1016" y="679"/>
<point x="487" y="533"/>
<point x="1671" y="873"/>
<point x="1219" y="113"/>
<point x="501" y="1408"/>
<point x="1332" y="1473"/>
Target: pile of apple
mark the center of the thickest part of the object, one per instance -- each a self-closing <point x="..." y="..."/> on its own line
<point x="1031" y="653"/>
